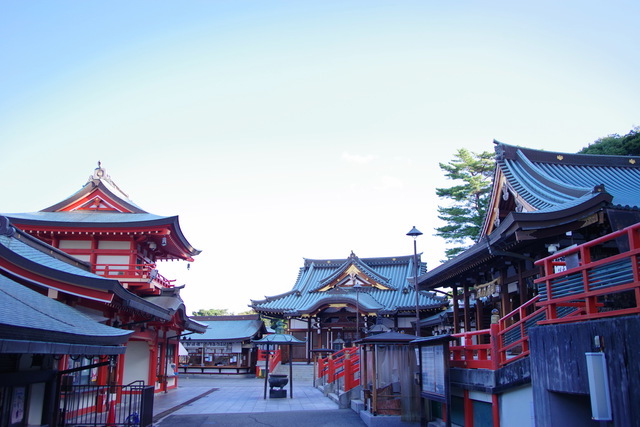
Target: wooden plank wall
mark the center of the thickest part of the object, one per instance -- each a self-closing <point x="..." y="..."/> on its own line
<point x="558" y="364"/>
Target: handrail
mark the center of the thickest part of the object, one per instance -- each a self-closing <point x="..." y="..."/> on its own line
<point x="565" y="296"/>
<point x="137" y="272"/>
<point x="335" y="366"/>
<point x="581" y="285"/>
<point x="470" y="354"/>
<point x="512" y="335"/>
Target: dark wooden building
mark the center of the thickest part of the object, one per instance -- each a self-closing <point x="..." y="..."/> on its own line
<point x="542" y="203"/>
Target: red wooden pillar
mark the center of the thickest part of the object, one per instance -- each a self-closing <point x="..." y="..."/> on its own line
<point x="495" y="410"/>
<point x="494" y="339"/>
<point x="153" y="362"/>
<point x="468" y="410"/>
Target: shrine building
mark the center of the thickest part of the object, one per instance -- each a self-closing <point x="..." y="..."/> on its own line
<point x="336" y="301"/>
<point x="118" y="246"/>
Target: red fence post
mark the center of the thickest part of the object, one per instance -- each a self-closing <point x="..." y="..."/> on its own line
<point x="496" y="356"/>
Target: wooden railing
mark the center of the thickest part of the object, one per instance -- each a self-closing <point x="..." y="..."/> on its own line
<point x="601" y="279"/>
<point x="133" y="273"/>
<point x="594" y="280"/>
<point x="512" y="332"/>
<point x="341" y="364"/>
<point x="474" y="349"/>
<point x="275" y="358"/>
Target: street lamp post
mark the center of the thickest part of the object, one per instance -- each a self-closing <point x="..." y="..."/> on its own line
<point x="415" y="233"/>
<point x="356" y="287"/>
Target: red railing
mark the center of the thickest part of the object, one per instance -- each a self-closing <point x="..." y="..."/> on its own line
<point x="593" y="274"/>
<point x="469" y="352"/>
<point x="503" y="343"/>
<point x="275" y="358"/>
<point x="133" y="272"/>
<point x="512" y="332"/>
<point x="602" y="279"/>
<point x="341" y="364"/>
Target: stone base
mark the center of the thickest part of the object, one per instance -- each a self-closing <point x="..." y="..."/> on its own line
<point x="277" y="394"/>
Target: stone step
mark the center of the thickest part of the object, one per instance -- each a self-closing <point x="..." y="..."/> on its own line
<point x="300" y="371"/>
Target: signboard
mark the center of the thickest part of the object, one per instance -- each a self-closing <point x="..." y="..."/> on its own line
<point x="434" y="367"/>
<point x="433" y="371"/>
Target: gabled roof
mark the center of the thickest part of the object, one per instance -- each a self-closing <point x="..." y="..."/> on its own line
<point x="101" y="207"/>
<point x="382" y="287"/>
<point x="98" y="193"/>
<point x="544" y="181"/>
<point x="539" y="194"/>
<point x="229" y="329"/>
<point x="354" y="272"/>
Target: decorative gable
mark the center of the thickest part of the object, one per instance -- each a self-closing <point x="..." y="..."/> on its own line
<point x="96" y="201"/>
<point x="354" y="273"/>
<point x="99" y="194"/>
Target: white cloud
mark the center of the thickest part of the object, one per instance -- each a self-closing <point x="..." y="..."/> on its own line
<point x="357" y="158"/>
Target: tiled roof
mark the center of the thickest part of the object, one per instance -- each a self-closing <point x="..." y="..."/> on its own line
<point x="53" y="259"/>
<point x="89" y="217"/>
<point x="395" y="271"/>
<point x="550" y="180"/>
<point x="90" y="220"/>
<point x="230" y="330"/>
<point x="31" y="254"/>
<point x="172" y="301"/>
<point x="28" y="315"/>
<point x="559" y="188"/>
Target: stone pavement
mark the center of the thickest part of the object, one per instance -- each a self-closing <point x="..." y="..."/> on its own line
<point x="208" y="394"/>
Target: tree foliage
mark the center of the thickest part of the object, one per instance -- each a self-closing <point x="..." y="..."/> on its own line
<point x="212" y="312"/>
<point x="468" y="199"/>
<point x="626" y="145"/>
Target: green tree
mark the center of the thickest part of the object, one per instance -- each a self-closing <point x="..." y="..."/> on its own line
<point x="212" y="312"/>
<point x="468" y="199"/>
<point x="626" y="145"/>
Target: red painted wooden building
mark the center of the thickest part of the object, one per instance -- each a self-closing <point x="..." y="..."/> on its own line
<point x="116" y="239"/>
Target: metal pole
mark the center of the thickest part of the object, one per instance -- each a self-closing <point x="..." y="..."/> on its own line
<point x="357" y="314"/>
<point x="266" y="372"/>
<point x="290" y="372"/>
<point x="415" y="279"/>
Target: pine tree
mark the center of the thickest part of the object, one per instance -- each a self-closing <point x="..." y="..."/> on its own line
<point x="468" y="200"/>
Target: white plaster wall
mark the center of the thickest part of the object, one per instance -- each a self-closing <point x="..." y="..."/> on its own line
<point x="136" y="362"/>
<point x="36" y="403"/>
<point x="75" y="244"/>
<point x="114" y="261"/>
<point x="516" y="407"/>
<point x="110" y="244"/>
<point x="298" y="324"/>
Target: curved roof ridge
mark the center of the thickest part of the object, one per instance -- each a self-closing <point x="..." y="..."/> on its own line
<point x="557" y="157"/>
<point x="534" y="185"/>
<point x="574" y="190"/>
<point x="276" y="297"/>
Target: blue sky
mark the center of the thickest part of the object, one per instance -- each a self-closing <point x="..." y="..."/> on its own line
<point x="306" y="129"/>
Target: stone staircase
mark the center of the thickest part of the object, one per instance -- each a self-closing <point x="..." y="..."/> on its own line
<point x="301" y="371"/>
